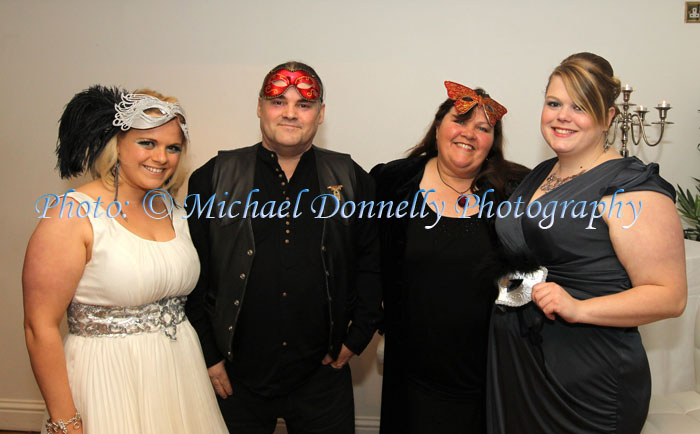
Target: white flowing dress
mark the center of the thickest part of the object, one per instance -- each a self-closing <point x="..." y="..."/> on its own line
<point x="148" y="382"/>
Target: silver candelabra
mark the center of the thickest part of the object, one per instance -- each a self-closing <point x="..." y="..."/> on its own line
<point x="629" y="121"/>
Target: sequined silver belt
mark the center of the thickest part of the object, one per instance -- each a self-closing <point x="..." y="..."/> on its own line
<point x="163" y="315"/>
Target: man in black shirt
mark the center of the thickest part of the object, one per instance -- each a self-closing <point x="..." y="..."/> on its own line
<point x="287" y="293"/>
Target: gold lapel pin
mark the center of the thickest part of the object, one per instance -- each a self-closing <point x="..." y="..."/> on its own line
<point x="335" y="189"/>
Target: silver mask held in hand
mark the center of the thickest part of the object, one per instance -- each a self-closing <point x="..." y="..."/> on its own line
<point x="515" y="289"/>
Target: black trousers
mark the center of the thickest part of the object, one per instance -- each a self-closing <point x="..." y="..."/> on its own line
<point x="322" y="405"/>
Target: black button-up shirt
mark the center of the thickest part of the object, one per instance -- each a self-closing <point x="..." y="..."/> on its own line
<point x="283" y="328"/>
<point x="282" y="332"/>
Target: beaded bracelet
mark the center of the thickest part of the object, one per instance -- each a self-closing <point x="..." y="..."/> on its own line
<point x="62" y="427"/>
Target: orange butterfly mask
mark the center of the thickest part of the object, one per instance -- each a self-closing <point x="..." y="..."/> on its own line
<point x="466" y="98"/>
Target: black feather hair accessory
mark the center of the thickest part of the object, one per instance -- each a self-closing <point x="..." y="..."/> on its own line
<point x="504" y="260"/>
<point x="515" y="272"/>
<point x="85" y="128"/>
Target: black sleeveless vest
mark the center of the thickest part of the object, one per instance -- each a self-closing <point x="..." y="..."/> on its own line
<point x="232" y="245"/>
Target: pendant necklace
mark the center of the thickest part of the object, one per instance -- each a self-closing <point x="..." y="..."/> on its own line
<point x="462" y="199"/>
<point x="553" y="181"/>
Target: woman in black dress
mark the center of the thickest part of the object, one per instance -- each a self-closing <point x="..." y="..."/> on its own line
<point x="437" y="306"/>
<point x="572" y="361"/>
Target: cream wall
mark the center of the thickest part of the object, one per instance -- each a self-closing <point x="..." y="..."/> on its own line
<point x="383" y="64"/>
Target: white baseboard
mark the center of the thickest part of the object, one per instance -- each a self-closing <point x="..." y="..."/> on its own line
<point x="366" y="425"/>
<point x="28" y="415"/>
<point x="21" y="414"/>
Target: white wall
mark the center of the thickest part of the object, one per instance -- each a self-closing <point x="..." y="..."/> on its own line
<point x="383" y="64"/>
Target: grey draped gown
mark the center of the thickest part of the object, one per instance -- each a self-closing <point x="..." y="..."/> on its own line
<point x="552" y="376"/>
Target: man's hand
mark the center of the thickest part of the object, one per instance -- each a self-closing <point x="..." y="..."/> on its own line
<point x="342" y="360"/>
<point x="219" y="379"/>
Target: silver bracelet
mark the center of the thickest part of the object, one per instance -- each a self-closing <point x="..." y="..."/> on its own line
<point x="62" y="427"/>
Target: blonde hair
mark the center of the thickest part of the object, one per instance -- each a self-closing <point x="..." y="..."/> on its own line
<point x="590" y="81"/>
<point x="105" y="163"/>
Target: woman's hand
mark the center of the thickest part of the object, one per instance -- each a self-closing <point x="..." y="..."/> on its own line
<point x="553" y="299"/>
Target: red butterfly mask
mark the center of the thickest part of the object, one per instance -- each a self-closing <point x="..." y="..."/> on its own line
<point x="466" y="98"/>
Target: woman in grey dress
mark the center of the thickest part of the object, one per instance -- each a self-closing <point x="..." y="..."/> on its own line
<point x="572" y="360"/>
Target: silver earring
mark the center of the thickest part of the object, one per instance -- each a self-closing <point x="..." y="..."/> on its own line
<point x="116" y="180"/>
<point x="606" y="145"/>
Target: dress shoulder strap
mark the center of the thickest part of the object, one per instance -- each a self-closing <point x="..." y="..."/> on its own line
<point x="98" y="211"/>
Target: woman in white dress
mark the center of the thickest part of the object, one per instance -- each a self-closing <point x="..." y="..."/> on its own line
<point x="119" y="259"/>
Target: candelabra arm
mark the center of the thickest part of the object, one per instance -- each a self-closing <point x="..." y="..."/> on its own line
<point x="646" y="139"/>
<point x="626" y="121"/>
<point x="636" y="139"/>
